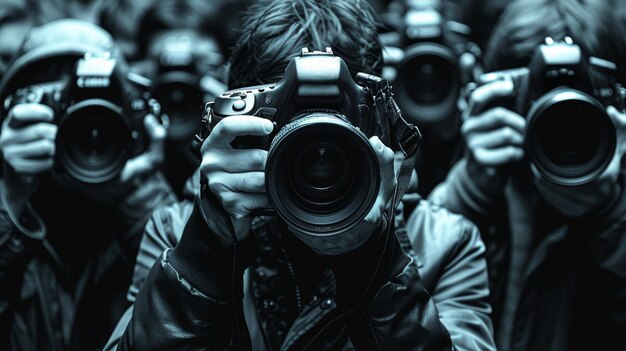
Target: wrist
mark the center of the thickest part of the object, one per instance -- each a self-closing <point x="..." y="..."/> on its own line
<point x="203" y="261"/>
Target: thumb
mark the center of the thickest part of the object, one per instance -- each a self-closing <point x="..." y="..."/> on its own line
<point x="385" y="158"/>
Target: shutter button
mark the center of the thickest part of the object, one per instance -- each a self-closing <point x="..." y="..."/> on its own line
<point x="239" y="105"/>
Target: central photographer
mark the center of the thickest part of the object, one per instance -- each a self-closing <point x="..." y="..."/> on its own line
<point x="292" y="241"/>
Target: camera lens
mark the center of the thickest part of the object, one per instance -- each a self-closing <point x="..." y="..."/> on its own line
<point x="570" y="137"/>
<point x="427" y="83"/>
<point x="93" y="141"/>
<point x="182" y="101"/>
<point x="322" y="176"/>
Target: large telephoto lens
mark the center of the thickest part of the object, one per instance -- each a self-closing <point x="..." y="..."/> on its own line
<point x="322" y="175"/>
<point x="427" y="83"/>
<point x="570" y="138"/>
<point x="93" y="141"/>
<point x="182" y="101"/>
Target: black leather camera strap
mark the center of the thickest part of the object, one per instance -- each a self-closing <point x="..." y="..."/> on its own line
<point x="396" y="131"/>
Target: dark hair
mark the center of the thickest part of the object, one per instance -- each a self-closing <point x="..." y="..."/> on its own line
<point x="275" y="31"/>
<point x="525" y="24"/>
<point x="168" y="15"/>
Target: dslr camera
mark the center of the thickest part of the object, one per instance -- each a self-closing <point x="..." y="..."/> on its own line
<point x="431" y="73"/>
<point x="181" y="87"/>
<point x="98" y="113"/>
<point x="570" y="139"/>
<point x="322" y="175"/>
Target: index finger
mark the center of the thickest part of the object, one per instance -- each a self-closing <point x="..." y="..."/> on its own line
<point x="231" y="127"/>
<point x="484" y="94"/>
<point x="28" y="113"/>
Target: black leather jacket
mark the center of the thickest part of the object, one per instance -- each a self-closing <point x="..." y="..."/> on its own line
<point x="287" y="296"/>
<point x="67" y="290"/>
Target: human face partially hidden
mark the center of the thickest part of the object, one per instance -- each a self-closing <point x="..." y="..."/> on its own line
<point x="580" y="201"/>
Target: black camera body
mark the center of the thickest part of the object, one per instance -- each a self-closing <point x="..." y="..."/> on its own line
<point x="570" y="139"/>
<point x="430" y="76"/>
<point x="181" y="87"/>
<point x="322" y="175"/>
<point x="99" y="115"/>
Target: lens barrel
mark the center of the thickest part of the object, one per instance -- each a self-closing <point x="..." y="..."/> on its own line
<point x="322" y="175"/>
<point x="182" y="101"/>
<point x="93" y="141"/>
<point x="570" y="138"/>
<point x="427" y="83"/>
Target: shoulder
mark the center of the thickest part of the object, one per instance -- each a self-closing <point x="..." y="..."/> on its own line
<point x="167" y="223"/>
<point x="441" y="240"/>
<point x="438" y="227"/>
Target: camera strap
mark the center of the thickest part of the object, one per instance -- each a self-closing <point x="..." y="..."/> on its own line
<point x="396" y="132"/>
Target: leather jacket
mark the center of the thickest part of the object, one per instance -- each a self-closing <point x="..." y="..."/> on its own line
<point x="433" y="298"/>
<point x="66" y="290"/>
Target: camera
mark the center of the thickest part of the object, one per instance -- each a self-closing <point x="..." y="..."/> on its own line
<point x="99" y="115"/>
<point x="322" y="175"/>
<point x="181" y="88"/>
<point x="570" y="139"/>
<point x="430" y="75"/>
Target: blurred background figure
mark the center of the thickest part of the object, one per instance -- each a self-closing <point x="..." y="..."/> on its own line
<point x="179" y="50"/>
<point x="429" y="59"/>
<point x="543" y="176"/>
<point x="81" y="143"/>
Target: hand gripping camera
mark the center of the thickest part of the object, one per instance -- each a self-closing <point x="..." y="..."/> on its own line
<point x="430" y="75"/>
<point x="99" y="115"/>
<point x="322" y="175"/>
<point x="570" y="139"/>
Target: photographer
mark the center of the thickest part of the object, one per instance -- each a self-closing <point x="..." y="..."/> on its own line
<point x="68" y="237"/>
<point x="358" y="289"/>
<point x="547" y="189"/>
<point x="179" y="52"/>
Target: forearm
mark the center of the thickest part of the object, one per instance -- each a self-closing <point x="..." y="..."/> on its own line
<point x="191" y="285"/>
<point x="171" y="314"/>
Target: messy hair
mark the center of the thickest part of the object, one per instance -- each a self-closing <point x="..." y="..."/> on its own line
<point x="525" y="24"/>
<point x="275" y="31"/>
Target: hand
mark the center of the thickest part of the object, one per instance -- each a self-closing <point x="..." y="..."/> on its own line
<point x="236" y="176"/>
<point x="27" y="143"/>
<point x="494" y="137"/>
<point x="374" y="219"/>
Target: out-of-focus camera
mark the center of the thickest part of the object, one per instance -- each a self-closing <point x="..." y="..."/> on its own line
<point x="569" y="137"/>
<point x="322" y="175"/>
<point x="98" y="113"/>
<point x="438" y="60"/>
<point x="181" y="87"/>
